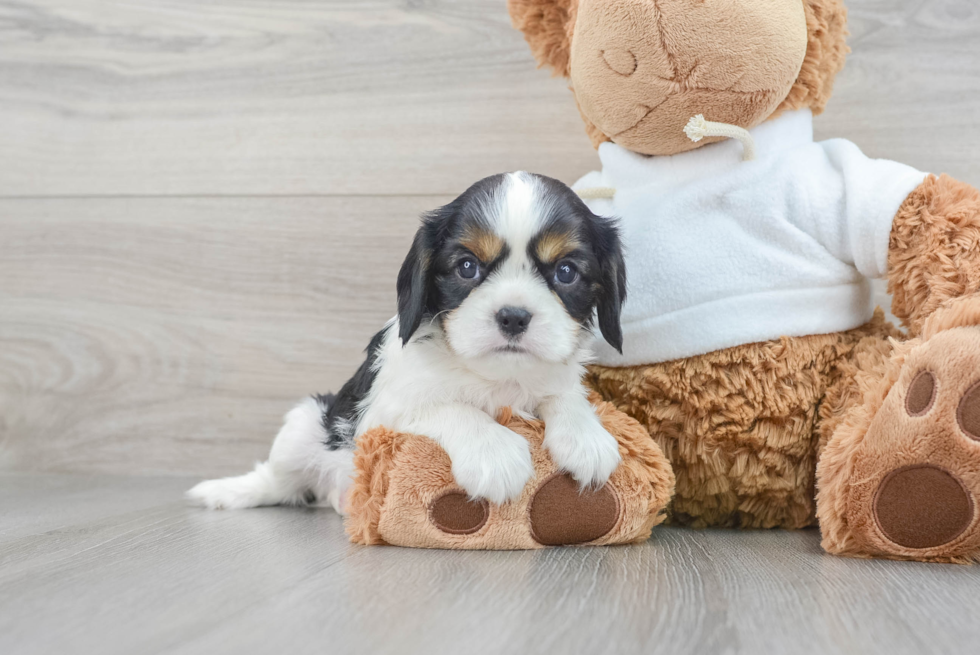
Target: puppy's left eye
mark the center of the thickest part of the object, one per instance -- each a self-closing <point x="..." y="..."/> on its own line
<point x="468" y="268"/>
<point x="566" y="273"/>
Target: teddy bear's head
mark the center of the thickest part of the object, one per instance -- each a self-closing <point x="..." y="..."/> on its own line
<point x="640" y="69"/>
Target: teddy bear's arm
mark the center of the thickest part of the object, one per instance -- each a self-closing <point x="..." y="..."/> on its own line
<point x="934" y="249"/>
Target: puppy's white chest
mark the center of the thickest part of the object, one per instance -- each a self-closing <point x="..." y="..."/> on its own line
<point x="512" y="394"/>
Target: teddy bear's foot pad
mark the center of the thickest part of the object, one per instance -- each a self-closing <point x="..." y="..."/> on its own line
<point x="562" y="514"/>
<point x="455" y="513"/>
<point x="913" y="479"/>
<point x="922" y="506"/>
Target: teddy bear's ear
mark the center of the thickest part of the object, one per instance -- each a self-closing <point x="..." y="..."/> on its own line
<point x="826" y="26"/>
<point x="547" y="27"/>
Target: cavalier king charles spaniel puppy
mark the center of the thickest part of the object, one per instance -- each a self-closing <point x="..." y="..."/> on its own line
<point x="497" y="299"/>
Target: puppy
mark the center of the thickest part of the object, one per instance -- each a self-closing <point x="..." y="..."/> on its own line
<point x="496" y="303"/>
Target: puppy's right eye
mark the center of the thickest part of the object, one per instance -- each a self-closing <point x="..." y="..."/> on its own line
<point x="468" y="268"/>
<point x="566" y="273"/>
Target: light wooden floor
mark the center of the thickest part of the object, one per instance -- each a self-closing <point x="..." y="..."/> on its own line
<point x="118" y="565"/>
<point x="202" y="209"/>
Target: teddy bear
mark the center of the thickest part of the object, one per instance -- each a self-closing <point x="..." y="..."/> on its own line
<point x="753" y="355"/>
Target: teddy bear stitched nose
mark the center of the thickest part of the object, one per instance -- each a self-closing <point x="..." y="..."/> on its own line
<point x="620" y="60"/>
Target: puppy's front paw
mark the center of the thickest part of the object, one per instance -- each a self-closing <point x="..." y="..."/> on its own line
<point x="585" y="450"/>
<point x="495" y="467"/>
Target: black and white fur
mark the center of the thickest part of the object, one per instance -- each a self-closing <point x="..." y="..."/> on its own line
<point x="471" y="336"/>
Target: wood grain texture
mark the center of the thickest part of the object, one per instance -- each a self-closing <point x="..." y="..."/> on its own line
<point x="171" y="335"/>
<point x="144" y="577"/>
<point x="274" y="97"/>
<point x="386" y="96"/>
<point x="910" y="90"/>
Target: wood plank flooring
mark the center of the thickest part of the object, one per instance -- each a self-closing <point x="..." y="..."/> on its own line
<point x="119" y="565"/>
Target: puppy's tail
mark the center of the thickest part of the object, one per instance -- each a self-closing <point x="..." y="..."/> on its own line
<point x="301" y="468"/>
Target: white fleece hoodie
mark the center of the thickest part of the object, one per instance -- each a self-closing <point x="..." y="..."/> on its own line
<point x="721" y="252"/>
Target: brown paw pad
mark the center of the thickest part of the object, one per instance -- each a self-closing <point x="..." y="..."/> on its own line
<point x="922" y="506"/>
<point x="921" y="395"/>
<point x="560" y="514"/>
<point x="455" y="513"/>
<point x="968" y="412"/>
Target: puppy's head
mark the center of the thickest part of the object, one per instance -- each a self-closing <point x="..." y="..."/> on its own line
<point x="516" y="267"/>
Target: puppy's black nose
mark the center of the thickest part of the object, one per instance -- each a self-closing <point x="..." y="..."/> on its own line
<point x="513" y="321"/>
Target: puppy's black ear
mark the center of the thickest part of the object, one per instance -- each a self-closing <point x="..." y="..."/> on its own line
<point x="416" y="279"/>
<point x="612" y="281"/>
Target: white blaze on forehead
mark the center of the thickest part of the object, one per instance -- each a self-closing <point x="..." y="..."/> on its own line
<point x="520" y="213"/>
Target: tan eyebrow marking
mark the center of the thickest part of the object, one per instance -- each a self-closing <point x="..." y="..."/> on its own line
<point x="552" y="246"/>
<point x="486" y="245"/>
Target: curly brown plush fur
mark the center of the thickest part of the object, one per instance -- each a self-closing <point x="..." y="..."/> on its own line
<point x="826" y="50"/>
<point x="376" y="451"/>
<point x="547" y="26"/>
<point x="852" y="414"/>
<point x="933" y="249"/>
<point x="741" y="426"/>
